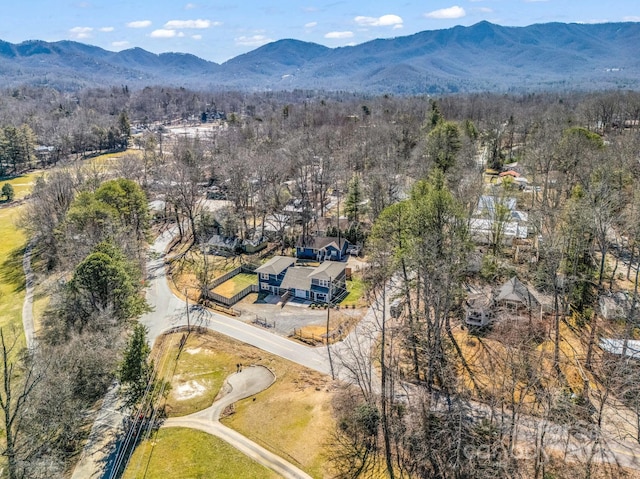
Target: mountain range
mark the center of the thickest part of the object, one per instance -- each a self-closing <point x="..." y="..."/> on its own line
<point x="482" y="57"/>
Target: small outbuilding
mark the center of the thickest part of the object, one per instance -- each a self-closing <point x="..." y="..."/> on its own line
<point x="515" y="295"/>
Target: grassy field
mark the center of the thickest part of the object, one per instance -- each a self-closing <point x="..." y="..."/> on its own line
<point x="23" y="184"/>
<point x="109" y="160"/>
<point x="292" y="418"/>
<point x="236" y="284"/>
<point x="12" y="282"/>
<point x="190" y="454"/>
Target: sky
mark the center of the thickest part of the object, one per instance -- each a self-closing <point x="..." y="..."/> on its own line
<point x="218" y="30"/>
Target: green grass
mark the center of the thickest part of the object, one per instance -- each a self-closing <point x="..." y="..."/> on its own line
<point x="292" y="418"/>
<point x="355" y="286"/>
<point x="236" y="284"/>
<point x="109" y="159"/>
<point x="23" y="184"/>
<point x="12" y="283"/>
<point x="190" y="454"/>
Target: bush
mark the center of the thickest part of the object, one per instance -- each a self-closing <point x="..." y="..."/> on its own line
<point x="8" y="192"/>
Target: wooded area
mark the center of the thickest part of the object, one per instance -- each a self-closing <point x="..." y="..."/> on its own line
<point x="408" y="174"/>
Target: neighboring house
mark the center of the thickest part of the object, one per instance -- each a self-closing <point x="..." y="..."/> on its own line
<point x="616" y="347"/>
<point x="479" y="310"/>
<point x="222" y="245"/>
<point x="494" y="212"/>
<point x="515" y="295"/>
<point x="484" y="231"/>
<point x="322" y="248"/>
<point x="254" y="245"/>
<point x="323" y="284"/>
<point x="271" y="274"/>
<point x="617" y="306"/>
<point x="487" y="205"/>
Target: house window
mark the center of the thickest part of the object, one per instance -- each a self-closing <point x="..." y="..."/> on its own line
<point x="324" y="283"/>
<point x="264" y="276"/>
<point x="264" y="286"/>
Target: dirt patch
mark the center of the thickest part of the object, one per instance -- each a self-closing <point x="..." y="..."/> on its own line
<point x="293" y="417"/>
<point x="189" y="390"/>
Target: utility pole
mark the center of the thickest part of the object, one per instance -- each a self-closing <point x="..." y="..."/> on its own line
<point x="339" y="245"/>
<point x="328" y="346"/>
<point x="186" y="299"/>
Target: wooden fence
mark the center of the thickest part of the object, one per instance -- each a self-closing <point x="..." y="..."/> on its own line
<point x="225" y="277"/>
<point x="245" y="268"/>
<point x="264" y="323"/>
<point x="218" y="298"/>
<point x="334" y="336"/>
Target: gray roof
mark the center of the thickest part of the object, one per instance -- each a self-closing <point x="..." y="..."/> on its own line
<point x="514" y="290"/>
<point x="276" y="265"/>
<point x="616" y="346"/>
<point x="298" y="277"/>
<point x="488" y="203"/>
<point x="320" y="242"/>
<point x="328" y="270"/>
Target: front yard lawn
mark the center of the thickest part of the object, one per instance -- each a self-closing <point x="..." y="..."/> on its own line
<point x="190" y="454"/>
<point x="356" y="289"/>
<point x="236" y="284"/>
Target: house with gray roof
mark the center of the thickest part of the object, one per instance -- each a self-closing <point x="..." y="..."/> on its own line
<point x="272" y="273"/>
<point x="514" y="295"/>
<point x="322" y="248"/>
<point x="323" y="284"/>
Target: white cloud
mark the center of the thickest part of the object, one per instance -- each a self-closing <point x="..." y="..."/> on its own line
<point x="447" y="13"/>
<point x="107" y="29"/>
<point x="195" y="24"/>
<point x="310" y="24"/>
<point x="483" y="10"/>
<point x="121" y="44"/>
<point x="190" y="6"/>
<point x="631" y="18"/>
<point x="383" y="21"/>
<point x="139" y="24"/>
<point x="196" y="37"/>
<point x="252" y="41"/>
<point x="163" y="33"/>
<point x="339" y="35"/>
<point x="81" y="32"/>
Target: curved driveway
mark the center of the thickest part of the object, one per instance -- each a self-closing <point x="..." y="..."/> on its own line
<point x="238" y="386"/>
<point x="169" y="312"/>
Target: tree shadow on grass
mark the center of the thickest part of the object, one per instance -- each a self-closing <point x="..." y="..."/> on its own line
<point x="11" y="272"/>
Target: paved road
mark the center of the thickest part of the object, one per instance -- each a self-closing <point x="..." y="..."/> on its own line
<point x="27" y="306"/>
<point x="238" y="386"/>
<point x="101" y="444"/>
<point x="169" y="312"/>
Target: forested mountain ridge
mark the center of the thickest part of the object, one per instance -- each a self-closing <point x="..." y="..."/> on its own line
<point x="482" y="57"/>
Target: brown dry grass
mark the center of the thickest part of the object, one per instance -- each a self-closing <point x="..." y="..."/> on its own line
<point x="339" y="324"/>
<point x="293" y="418"/>
<point x="490" y="359"/>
